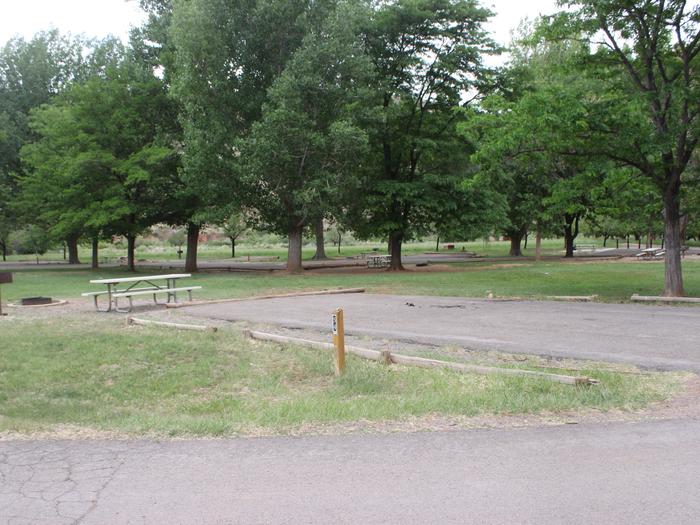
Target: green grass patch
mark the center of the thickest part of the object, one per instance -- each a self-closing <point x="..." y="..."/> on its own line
<point x="105" y="376"/>
<point x="161" y="252"/>
<point x="611" y="281"/>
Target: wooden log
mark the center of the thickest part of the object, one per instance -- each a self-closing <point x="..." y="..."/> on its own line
<point x="257" y="297"/>
<point x="489" y="370"/>
<point x="178" y="326"/>
<point x="388" y="358"/>
<point x="662" y="299"/>
<point x="572" y="298"/>
<point x="365" y="353"/>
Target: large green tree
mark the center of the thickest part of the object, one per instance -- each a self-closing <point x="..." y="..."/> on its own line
<point x="307" y="137"/>
<point x="228" y="53"/>
<point x="646" y="61"/>
<point x="32" y="72"/>
<point x="104" y="160"/>
<point x="428" y="59"/>
<point x="529" y="144"/>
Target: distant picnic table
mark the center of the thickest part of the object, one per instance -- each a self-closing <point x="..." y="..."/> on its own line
<point x="142" y="285"/>
<point x="651" y="253"/>
<point x="378" y="261"/>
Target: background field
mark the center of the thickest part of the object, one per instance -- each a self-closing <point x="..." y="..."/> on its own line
<point x="611" y="280"/>
<point x="274" y="248"/>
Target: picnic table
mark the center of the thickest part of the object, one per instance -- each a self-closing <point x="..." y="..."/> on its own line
<point x="651" y="253"/>
<point x="141" y="285"/>
<point x="378" y="261"/>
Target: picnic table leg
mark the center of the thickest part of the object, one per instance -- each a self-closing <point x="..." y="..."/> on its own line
<point x="128" y="310"/>
<point x="173" y="295"/>
<point x="109" y="296"/>
<point x="109" y="300"/>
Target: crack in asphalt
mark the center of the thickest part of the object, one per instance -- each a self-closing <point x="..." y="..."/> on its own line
<point x="57" y="483"/>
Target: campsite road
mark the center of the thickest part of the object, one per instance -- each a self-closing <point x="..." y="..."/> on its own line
<point x="641" y="473"/>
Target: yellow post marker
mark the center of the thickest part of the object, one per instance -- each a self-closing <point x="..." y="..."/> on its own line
<point x="339" y="341"/>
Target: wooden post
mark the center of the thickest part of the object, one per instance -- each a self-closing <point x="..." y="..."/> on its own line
<point x="339" y="341"/>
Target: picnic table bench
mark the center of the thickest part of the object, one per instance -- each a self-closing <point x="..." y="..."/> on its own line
<point x="378" y="261"/>
<point x="585" y="247"/>
<point x="136" y="286"/>
<point x="651" y="253"/>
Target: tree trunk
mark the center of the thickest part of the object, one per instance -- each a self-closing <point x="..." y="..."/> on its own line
<point x="95" y="253"/>
<point x="673" y="273"/>
<point x="72" y="243"/>
<point x="320" y="241"/>
<point x="538" y="243"/>
<point x="131" y="252"/>
<point x="570" y="233"/>
<point x="525" y="239"/>
<point x="437" y="244"/>
<point x="4" y="251"/>
<point x="684" y="228"/>
<point x="233" y="247"/>
<point x="395" y="242"/>
<point x="605" y="240"/>
<point x="294" y="251"/>
<point x="515" y="240"/>
<point x="339" y="239"/>
<point x="192" y="241"/>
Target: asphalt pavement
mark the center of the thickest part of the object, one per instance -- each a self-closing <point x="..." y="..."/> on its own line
<point x="664" y="337"/>
<point x="618" y="473"/>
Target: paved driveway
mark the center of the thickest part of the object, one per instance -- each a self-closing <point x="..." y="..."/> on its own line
<point x="637" y="473"/>
<point x="666" y="337"/>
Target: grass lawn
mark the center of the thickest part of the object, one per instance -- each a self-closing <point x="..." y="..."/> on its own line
<point x="102" y="375"/>
<point x="207" y="251"/>
<point x="612" y="281"/>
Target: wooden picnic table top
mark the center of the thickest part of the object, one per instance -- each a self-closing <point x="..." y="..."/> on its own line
<point x="118" y="280"/>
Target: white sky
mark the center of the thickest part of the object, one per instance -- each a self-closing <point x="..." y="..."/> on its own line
<point x="94" y="18"/>
<point x="98" y="18"/>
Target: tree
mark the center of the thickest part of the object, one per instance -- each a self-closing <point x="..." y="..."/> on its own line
<point x="234" y="226"/>
<point x="653" y="46"/>
<point x="154" y="45"/>
<point x="307" y="138"/>
<point x="526" y="145"/>
<point x="31" y="73"/>
<point x="227" y="56"/>
<point x="103" y="160"/>
<point x="427" y="55"/>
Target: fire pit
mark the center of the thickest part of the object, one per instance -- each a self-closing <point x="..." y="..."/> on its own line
<point x="35" y="301"/>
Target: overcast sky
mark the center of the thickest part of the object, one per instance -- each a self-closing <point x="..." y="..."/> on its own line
<point x="98" y="18"/>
